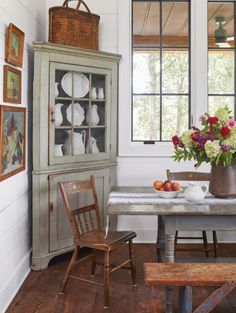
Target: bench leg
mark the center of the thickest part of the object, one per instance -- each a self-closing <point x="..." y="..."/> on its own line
<point x="185" y="299"/>
<point x="216" y="297"/>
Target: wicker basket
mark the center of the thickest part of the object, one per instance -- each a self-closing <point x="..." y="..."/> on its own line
<point x="68" y="26"/>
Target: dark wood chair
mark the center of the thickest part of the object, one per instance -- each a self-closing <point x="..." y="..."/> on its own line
<point x="87" y="231"/>
<point x="194" y="176"/>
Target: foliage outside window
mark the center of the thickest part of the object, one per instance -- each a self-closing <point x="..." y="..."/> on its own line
<point x="221" y="55"/>
<point x="161" y="66"/>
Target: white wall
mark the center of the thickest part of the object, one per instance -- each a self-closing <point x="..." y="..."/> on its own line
<point x="15" y="192"/>
<point x="108" y="12"/>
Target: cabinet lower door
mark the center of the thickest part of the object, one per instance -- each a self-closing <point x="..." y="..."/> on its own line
<point x="60" y="231"/>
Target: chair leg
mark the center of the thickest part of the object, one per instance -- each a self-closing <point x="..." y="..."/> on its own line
<point x="106" y="279"/>
<point x="93" y="264"/>
<point x="205" y="243"/>
<point x="215" y="243"/>
<point x="69" y="269"/>
<point x="132" y="264"/>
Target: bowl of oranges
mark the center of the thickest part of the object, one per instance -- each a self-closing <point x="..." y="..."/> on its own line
<point x="167" y="189"/>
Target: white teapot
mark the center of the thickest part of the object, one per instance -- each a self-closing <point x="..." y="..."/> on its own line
<point x="195" y="192"/>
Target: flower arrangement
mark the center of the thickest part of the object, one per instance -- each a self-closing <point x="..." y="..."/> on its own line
<point x="215" y="143"/>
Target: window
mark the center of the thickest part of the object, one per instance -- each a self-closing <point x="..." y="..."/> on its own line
<point x="221" y="55"/>
<point x="161" y="69"/>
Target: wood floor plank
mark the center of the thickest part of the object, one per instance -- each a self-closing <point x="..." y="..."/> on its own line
<point x="39" y="293"/>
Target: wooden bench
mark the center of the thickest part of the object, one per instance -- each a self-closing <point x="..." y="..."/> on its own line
<point x="188" y="275"/>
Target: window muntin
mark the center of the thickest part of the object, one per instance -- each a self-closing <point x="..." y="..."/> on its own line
<point x="221" y="55"/>
<point x="161" y="80"/>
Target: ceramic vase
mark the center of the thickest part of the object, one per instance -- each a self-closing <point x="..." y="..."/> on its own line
<point x="100" y="93"/>
<point x="223" y="181"/>
<point x="58" y="114"/>
<point x="92" y="117"/>
<point x="93" y="93"/>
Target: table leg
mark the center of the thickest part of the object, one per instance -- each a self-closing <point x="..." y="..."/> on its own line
<point x="169" y="258"/>
<point x="160" y="245"/>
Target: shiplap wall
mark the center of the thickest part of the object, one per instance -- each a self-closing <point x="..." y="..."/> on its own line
<point x="108" y="28"/>
<point x="15" y="192"/>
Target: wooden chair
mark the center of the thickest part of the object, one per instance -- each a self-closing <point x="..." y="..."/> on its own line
<point x="185" y="276"/>
<point x="193" y="176"/>
<point x="87" y="232"/>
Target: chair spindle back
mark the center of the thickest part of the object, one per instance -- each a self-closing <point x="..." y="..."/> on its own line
<point x="82" y="219"/>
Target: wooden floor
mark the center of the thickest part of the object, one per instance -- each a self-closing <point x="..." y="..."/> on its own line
<point x="39" y="293"/>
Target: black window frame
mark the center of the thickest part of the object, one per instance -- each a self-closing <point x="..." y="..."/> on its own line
<point x="160" y="49"/>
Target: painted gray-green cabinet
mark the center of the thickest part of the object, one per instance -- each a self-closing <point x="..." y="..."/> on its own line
<point x="74" y="136"/>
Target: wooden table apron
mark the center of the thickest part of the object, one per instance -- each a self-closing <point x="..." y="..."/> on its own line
<point x="217" y="215"/>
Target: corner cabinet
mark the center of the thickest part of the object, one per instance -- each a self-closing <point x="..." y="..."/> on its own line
<point x="74" y="136"/>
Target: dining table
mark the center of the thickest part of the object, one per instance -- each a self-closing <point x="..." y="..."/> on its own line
<point x="175" y="214"/>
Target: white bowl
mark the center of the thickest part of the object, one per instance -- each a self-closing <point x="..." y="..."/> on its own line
<point x="167" y="194"/>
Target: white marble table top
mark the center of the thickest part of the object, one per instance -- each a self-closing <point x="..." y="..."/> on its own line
<point x="144" y="200"/>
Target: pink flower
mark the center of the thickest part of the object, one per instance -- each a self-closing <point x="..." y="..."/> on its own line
<point x="202" y="118"/>
<point x="231" y="123"/>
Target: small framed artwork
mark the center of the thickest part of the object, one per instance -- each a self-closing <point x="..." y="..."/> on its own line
<point x="14" y="45"/>
<point x="12" y="140"/>
<point x="11" y="85"/>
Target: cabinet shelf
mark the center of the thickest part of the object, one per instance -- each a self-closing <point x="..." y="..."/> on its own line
<point x="80" y="127"/>
<point x="80" y="99"/>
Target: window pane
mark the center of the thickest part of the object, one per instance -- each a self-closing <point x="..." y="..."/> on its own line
<point x="146" y="118"/>
<point x="174" y="115"/>
<point x="221" y="72"/>
<point x="175" y="71"/>
<point x="146" y="23"/>
<point x="216" y="102"/>
<point x="175" y="26"/>
<point x="146" y="72"/>
<point x="221" y="24"/>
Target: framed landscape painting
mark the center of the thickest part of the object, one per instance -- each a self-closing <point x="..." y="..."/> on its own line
<point x="12" y="140"/>
<point x="14" y="45"/>
<point x="11" y="85"/>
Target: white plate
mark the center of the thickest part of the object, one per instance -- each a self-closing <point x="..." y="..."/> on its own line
<point x="81" y="84"/>
<point x="167" y="194"/>
<point x="78" y="114"/>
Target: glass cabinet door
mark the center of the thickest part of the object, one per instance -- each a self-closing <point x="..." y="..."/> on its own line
<point x="79" y="113"/>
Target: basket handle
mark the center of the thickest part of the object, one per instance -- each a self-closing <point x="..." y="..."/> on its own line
<point x="65" y="4"/>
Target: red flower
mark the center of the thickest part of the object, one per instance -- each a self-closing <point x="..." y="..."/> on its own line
<point x="225" y="131"/>
<point x="212" y="120"/>
<point x="175" y="140"/>
<point x="195" y="136"/>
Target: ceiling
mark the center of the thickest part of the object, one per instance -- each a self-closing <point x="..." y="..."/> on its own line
<point x="175" y="28"/>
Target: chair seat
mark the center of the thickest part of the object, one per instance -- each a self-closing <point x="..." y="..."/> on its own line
<point x="98" y="239"/>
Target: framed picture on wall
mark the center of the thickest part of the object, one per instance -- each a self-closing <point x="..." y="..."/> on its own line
<point x="14" y="45"/>
<point x="11" y="85"/>
<point x="12" y="140"/>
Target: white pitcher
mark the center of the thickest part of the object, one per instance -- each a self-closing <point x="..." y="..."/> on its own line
<point x="195" y="192"/>
<point x="56" y="90"/>
<point x="92" y="145"/>
<point x="92" y="117"/>
<point x="78" y="143"/>
<point x="58" y="151"/>
<point x="58" y="114"/>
